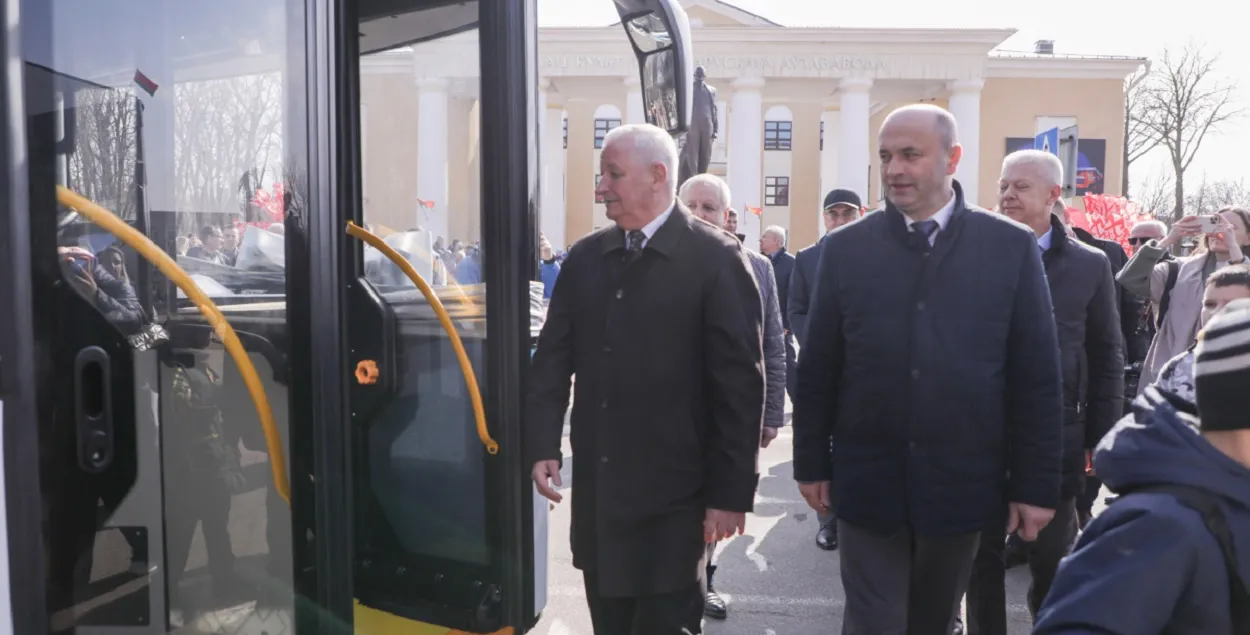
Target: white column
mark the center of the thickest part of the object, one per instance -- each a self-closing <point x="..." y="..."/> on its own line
<point x="633" y="100"/>
<point x="965" y="105"/>
<point x="719" y="147"/>
<point x="551" y="210"/>
<point x="432" y="155"/>
<point x="746" y="155"/>
<point x="832" y="121"/>
<point x="853" y="140"/>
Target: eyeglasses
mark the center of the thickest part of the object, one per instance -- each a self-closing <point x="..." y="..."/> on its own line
<point x="1139" y="240"/>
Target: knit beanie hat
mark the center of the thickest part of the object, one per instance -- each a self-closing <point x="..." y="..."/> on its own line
<point x="1222" y="369"/>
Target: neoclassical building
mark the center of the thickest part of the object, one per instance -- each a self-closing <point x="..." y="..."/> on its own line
<point x="798" y="109"/>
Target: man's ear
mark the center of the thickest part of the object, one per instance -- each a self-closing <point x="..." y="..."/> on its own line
<point x="952" y="163"/>
<point x="659" y="172"/>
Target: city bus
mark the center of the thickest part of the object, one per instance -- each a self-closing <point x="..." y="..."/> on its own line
<point x="238" y="394"/>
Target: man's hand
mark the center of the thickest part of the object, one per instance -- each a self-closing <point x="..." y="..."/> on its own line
<point x="721" y="525"/>
<point x="767" y="436"/>
<point x="1028" y="520"/>
<point x="816" y="495"/>
<point x="544" y="470"/>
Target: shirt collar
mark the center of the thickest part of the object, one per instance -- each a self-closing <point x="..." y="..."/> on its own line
<point x="1043" y="241"/>
<point x="943" y="216"/>
<point x="649" y="229"/>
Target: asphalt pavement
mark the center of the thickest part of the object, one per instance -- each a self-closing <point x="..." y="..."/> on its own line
<point x="775" y="579"/>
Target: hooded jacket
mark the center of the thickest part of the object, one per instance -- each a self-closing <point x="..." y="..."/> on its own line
<point x="1148" y="564"/>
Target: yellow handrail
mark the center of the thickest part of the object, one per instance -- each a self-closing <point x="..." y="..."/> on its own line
<point x="470" y="378"/>
<point x="155" y="255"/>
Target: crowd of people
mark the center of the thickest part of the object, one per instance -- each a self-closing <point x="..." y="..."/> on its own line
<point x="964" y="382"/>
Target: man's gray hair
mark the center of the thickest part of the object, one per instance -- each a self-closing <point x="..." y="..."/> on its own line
<point x="711" y="180"/>
<point x="652" y="144"/>
<point x="1157" y="224"/>
<point x="778" y="231"/>
<point x="944" y="122"/>
<point x="1047" y="164"/>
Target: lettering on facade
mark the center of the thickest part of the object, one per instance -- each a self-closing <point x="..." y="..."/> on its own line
<point x="766" y="64"/>
<point x="585" y="62"/>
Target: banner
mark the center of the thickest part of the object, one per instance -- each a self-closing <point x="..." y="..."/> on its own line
<point x="1111" y="217"/>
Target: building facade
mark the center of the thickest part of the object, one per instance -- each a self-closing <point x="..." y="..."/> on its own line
<point x="798" y="113"/>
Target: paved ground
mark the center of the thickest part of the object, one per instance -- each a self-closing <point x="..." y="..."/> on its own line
<point x="776" y="580"/>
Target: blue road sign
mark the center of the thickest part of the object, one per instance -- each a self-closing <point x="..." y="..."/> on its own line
<point x="1047" y="141"/>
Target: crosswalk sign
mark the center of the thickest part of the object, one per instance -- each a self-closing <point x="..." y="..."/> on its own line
<point x="1047" y="141"/>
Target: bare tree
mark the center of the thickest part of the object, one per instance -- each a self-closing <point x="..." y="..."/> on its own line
<point x="1183" y="101"/>
<point x="1210" y="196"/>
<point x="1138" y="140"/>
<point x="102" y="166"/>
<point x="1154" y="195"/>
<point x="228" y="139"/>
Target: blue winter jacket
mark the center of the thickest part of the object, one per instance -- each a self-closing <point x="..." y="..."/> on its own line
<point x="1148" y="564"/>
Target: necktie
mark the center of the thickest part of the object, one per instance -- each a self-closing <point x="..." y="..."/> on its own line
<point x="634" y="238"/>
<point x="922" y="231"/>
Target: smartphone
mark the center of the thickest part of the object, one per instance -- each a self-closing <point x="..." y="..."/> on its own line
<point x="1208" y="224"/>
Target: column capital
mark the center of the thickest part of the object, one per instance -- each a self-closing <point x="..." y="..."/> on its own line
<point x="432" y="84"/>
<point x="855" y="84"/>
<point x="746" y="84"/>
<point x="965" y="86"/>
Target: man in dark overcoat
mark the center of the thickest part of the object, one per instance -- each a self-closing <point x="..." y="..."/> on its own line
<point x="659" y="318"/>
<point x="931" y="368"/>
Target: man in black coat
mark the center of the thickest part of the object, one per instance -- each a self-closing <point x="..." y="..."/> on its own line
<point x="931" y="367"/>
<point x="841" y="207"/>
<point x="1083" y="292"/>
<point x="660" y="319"/>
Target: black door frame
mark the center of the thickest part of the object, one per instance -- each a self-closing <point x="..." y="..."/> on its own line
<point x="318" y="257"/>
<point x="23" y="505"/>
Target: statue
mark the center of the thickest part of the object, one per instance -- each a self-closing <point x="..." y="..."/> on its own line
<point x="697" y="151"/>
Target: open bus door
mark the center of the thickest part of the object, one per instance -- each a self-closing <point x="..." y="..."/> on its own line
<point x="261" y="434"/>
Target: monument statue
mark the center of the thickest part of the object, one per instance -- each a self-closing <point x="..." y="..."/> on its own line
<point x="697" y="151"/>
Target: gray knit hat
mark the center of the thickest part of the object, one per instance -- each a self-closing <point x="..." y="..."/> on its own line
<point x="1222" y="369"/>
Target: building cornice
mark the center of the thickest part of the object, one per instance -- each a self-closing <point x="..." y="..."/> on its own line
<point x="1062" y="67"/>
<point x="989" y="38"/>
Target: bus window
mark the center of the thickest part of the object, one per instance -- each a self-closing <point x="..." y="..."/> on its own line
<point x="162" y="508"/>
<point x="421" y="489"/>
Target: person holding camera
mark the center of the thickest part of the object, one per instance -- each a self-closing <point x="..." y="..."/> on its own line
<point x="1175" y="287"/>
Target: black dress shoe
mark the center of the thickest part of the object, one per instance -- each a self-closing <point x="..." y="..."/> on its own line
<point x="827" y="537"/>
<point x="713" y="604"/>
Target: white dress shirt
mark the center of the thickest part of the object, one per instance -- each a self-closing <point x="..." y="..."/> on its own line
<point x="649" y="229"/>
<point x="943" y="218"/>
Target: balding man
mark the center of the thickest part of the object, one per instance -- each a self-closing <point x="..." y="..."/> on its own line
<point x="707" y="196"/>
<point x="1087" y="319"/>
<point x="659" y="317"/>
<point x="931" y="367"/>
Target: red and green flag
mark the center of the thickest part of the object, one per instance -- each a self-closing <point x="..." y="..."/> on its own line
<point x="145" y="83"/>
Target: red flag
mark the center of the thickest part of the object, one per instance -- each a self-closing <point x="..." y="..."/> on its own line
<point x="426" y="204"/>
<point x="272" y="202"/>
<point x="1078" y="219"/>
<point x="755" y="210"/>
<point x="145" y="83"/>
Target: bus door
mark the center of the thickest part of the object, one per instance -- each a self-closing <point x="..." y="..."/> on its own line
<point x="229" y="415"/>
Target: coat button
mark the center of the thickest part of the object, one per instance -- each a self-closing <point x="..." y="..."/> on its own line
<point x="920" y="305"/>
<point x="604" y="404"/>
<point x="603" y="459"/>
<point x="607" y="349"/>
<point x="915" y="373"/>
<point x="620" y="293"/>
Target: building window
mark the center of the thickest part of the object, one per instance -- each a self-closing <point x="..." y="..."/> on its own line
<point x="776" y="191"/>
<point x="566" y="134"/>
<point x="822" y="137"/>
<point x="598" y="198"/>
<point x="777" y="135"/>
<point x="602" y="126"/>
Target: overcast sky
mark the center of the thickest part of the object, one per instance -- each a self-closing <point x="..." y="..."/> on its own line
<point x="1107" y="27"/>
